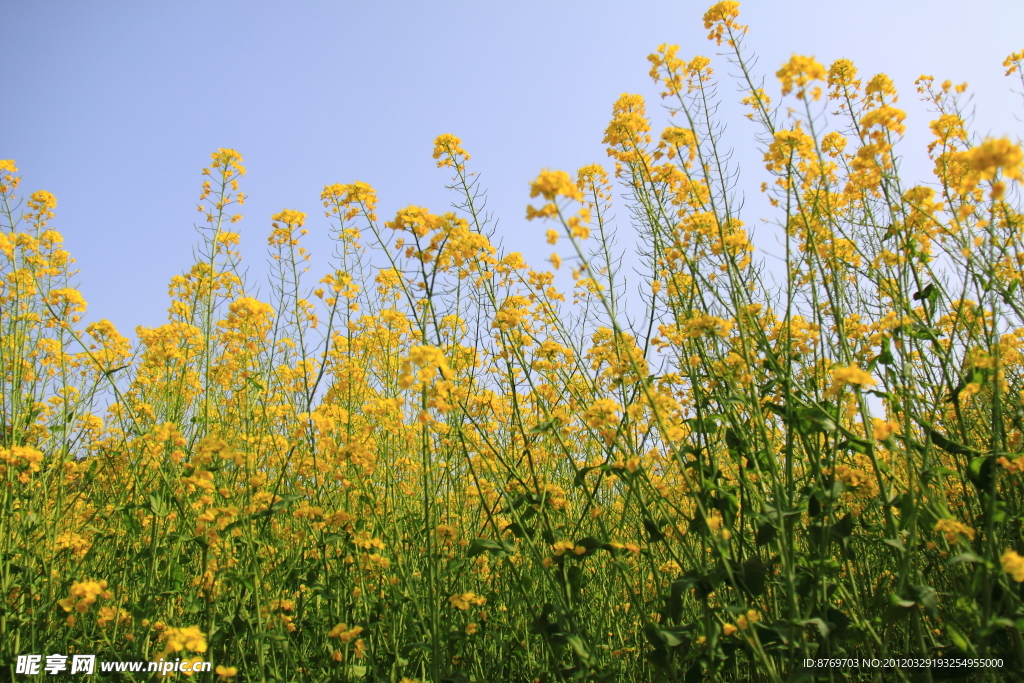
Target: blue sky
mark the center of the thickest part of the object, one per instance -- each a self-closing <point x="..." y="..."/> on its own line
<point x="115" y="107"/>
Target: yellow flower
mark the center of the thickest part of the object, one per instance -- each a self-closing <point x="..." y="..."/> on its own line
<point x="451" y="147"/>
<point x="985" y="160"/>
<point x="108" y="614"/>
<point x="842" y="74"/>
<point x="745" y="621"/>
<point x="431" y="364"/>
<point x="226" y="671"/>
<point x="879" y="86"/>
<point x="228" y="160"/>
<point x="348" y="201"/>
<point x="462" y="601"/>
<point x="290" y="217"/>
<point x="282" y="605"/>
<point x="42" y="200"/>
<point x="798" y="73"/>
<point x="561" y="546"/>
<point x="417" y="220"/>
<point x="722" y="17"/>
<point x="71" y="300"/>
<point x="842" y="376"/>
<point x="446" y="533"/>
<point x="247" y="307"/>
<point x="863" y="483"/>
<point x="629" y="128"/>
<point x="83" y="594"/>
<point x="344" y="633"/>
<point x="670" y="567"/>
<point x="950" y="528"/>
<point x="882" y="429"/>
<point x="178" y="639"/>
<point x="789" y="146"/>
<point x="552" y="184"/>
<point x="679" y="139"/>
<point x="948" y="128"/>
<point x="1013" y="564"/>
<point x="665" y="58"/>
<point x="702" y="324"/>
<point x="833" y="144"/>
<point x="603" y="412"/>
<point x="1012" y="64"/>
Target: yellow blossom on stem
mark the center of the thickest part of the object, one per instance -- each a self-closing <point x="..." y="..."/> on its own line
<point x="83" y="594"/>
<point x="290" y="217"/>
<point x="552" y="184"/>
<point x="721" y="18"/>
<point x="798" y="73"/>
<point x="852" y="375"/>
<point x="1013" y="564"/>
<point x="745" y="621"/>
<point x="344" y="633"/>
<point x="178" y="639"/>
<point x="949" y="528"/>
<point x="450" y="147"/>
<point x="462" y="601"/>
<point x="1012" y="63"/>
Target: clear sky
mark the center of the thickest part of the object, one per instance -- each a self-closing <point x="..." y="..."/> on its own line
<point x="115" y="107"/>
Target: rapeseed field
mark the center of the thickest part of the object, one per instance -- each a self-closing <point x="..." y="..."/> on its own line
<point x="431" y="464"/>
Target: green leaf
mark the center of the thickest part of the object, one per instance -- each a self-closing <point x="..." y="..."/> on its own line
<point x="919" y="331"/>
<point x="960" y="641"/>
<point x="705" y="425"/>
<point x="964" y="557"/>
<point x="702" y="585"/>
<point x="766" y="533"/>
<point x="488" y="545"/>
<point x="927" y="598"/>
<point x="545" y="426"/>
<point x="754" y="575"/>
<point x="885" y="357"/>
<point x="736" y="443"/>
<point x="813" y="420"/>
<point x="929" y="293"/>
<point x="844" y="527"/>
<point x="157" y="505"/>
<point x="519" y="531"/>
<point x="653" y="531"/>
<point x="1008" y="294"/>
<point x="581" y="477"/>
<point x="241" y="580"/>
<point x="945" y="443"/>
<point x="981" y="472"/>
<point x="578" y="646"/>
<point x="854" y="444"/>
<point x="896" y="601"/>
<point x="895" y="543"/>
<point x="591" y="544"/>
<point x="838" y="621"/>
